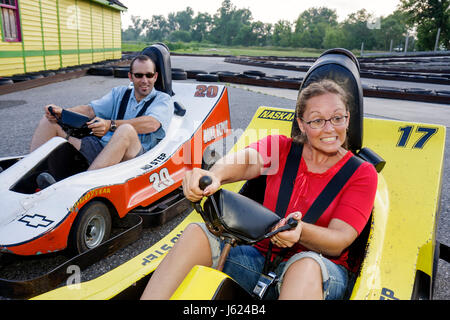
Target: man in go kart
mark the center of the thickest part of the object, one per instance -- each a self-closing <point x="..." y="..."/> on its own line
<point x="315" y="266"/>
<point x="124" y="124"/>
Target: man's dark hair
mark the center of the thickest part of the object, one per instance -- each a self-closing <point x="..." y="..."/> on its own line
<point x="141" y="57"/>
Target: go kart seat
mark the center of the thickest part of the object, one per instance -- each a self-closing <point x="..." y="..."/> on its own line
<point x="160" y="54"/>
<point x="341" y="66"/>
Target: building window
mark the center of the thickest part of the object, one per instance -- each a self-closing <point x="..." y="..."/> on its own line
<point x="10" y="20"/>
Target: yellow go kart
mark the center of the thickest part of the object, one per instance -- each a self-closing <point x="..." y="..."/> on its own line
<point x="398" y="251"/>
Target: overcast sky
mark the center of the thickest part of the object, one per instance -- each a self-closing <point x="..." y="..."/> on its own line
<point x="262" y="10"/>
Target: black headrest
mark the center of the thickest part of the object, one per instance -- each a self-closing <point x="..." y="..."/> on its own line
<point x="160" y="54"/>
<point x="341" y="66"/>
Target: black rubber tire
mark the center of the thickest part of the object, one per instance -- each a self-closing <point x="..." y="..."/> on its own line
<point x="121" y="72"/>
<point x="6" y="81"/>
<point x="207" y="77"/>
<point x="91" y="227"/>
<point x="192" y="73"/>
<point x="101" y="71"/>
<point x="254" y="73"/>
<point x="179" y="75"/>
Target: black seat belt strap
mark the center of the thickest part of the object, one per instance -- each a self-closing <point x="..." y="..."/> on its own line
<point x="331" y="190"/>
<point x="288" y="178"/>
<point x="124" y="104"/>
<point x="318" y="207"/>
<point x="284" y="195"/>
<point x="145" y="107"/>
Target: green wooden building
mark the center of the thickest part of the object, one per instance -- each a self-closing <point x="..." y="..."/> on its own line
<point x="41" y="35"/>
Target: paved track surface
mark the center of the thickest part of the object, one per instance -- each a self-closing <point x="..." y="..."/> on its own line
<point x="20" y="111"/>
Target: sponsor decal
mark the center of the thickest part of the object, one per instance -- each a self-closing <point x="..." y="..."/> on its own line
<point x="91" y="194"/>
<point x="162" y="250"/>
<point x="387" y="294"/>
<point x="215" y="131"/>
<point x="155" y="162"/>
<point x="277" y="115"/>
<point x="36" y="221"/>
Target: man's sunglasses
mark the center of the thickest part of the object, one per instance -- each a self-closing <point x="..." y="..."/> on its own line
<point x="148" y="75"/>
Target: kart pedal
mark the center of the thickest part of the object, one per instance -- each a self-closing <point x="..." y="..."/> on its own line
<point x="45" y="180"/>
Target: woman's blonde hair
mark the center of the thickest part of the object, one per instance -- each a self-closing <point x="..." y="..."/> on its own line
<point x="316" y="89"/>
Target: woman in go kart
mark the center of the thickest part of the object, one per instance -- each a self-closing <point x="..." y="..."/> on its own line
<point x="316" y="265"/>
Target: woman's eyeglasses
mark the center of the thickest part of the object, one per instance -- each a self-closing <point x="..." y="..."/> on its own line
<point x="320" y="123"/>
<point x="147" y="75"/>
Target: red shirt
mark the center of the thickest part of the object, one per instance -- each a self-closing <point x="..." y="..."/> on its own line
<point x="352" y="205"/>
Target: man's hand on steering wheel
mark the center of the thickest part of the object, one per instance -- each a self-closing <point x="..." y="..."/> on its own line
<point x="55" y="109"/>
<point x="99" y="126"/>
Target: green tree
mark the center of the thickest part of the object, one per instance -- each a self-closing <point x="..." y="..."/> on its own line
<point x="201" y="25"/>
<point x="184" y="19"/>
<point x="227" y="22"/>
<point x="428" y="16"/>
<point x="282" y="33"/>
<point x="311" y="26"/>
<point x="392" y="28"/>
<point x="156" y="29"/>
<point x="334" y="38"/>
<point x="133" y="32"/>
<point x="356" y="31"/>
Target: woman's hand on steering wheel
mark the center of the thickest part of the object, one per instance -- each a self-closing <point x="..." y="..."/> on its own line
<point x="191" y="188"/>
<point x="288" y="238"/>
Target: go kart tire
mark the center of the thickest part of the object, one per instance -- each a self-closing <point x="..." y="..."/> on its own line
<point x="92" y="227"/>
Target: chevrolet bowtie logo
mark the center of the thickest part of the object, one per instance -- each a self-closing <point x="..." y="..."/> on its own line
<point x="35" y="221"/>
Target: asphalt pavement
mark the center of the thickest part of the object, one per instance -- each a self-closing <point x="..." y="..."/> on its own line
<point x="20" y="112"/>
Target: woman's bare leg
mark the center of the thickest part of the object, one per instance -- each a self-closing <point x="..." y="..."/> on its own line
<point x="191" y="249"/>
<point x="302" y="281"/>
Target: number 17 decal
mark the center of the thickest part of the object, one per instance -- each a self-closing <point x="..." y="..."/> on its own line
<point x="405" y="134"/>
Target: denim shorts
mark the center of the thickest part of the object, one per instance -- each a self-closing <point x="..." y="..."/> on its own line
<point x="91" y="147"/>
<point x="245" y="263"/>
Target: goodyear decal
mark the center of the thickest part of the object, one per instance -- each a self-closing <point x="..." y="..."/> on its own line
<point x="162" y="250"/>
<point x="89" y="195"/>
<point x="277" y="115"/>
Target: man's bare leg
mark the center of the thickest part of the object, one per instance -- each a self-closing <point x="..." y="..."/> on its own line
<point x="124" y="145"/>
<point x="47" y="130"/>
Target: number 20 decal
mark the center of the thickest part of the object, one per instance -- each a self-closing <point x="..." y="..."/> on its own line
<point x="405" y="134"/>
<point x="161" y="180"/>
<point x="206" y="91"/>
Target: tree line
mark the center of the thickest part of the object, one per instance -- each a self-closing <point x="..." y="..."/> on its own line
<point x="416" y="23"/>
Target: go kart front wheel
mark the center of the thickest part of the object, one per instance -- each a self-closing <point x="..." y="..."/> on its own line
<point x="91" y="227"/>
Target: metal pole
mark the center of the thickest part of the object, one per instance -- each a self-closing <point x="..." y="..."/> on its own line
<point x="437" y="39"/>
<point x="406" y="43"/>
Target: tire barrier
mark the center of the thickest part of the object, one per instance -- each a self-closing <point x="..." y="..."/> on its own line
<point x="179" y="75"/>
<point x="191" y="74"/>
<point x="35" y="79"/>
<point x="101" y="71"/>
<point x="207" y="77"/>
<point x="121" y="72"/>
<point x="439" y="74"/>
<point x="4" y="81"/>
